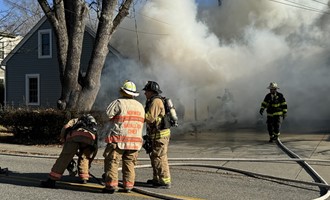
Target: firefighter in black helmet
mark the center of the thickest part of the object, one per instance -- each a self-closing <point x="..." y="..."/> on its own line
<point x="276" y="107"/>
<point x="152" y="86"/>
<point x="158" y="135"/>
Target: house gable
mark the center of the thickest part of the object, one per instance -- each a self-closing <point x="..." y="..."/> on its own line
<point x="26" y="67"/>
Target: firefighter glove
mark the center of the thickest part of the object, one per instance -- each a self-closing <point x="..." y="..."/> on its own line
<point x="261" y="111"/>
<point x="147" y="144"/>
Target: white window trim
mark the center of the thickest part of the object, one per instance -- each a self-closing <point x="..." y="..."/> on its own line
<point x="40" y="32"/>
<point x="2" y="48"/>
<point x="27" y="92"/>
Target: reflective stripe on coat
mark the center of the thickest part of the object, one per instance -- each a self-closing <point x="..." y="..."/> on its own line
<point x="127" y="120"/>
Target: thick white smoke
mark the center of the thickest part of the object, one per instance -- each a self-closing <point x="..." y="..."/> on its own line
<point x="196" y="49"/>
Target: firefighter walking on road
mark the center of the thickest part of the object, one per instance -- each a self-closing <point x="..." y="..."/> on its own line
<point x="79" y="136"/>
<point x="276" y="107"/>
<point x="124" y="138"/>
<point x="159" y="135"/>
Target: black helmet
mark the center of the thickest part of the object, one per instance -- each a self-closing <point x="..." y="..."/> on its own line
<point x="152" y="86"/>
<point x="88" y="119"/>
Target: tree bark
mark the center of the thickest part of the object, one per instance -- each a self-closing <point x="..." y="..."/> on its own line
<point x="67" y="18"/>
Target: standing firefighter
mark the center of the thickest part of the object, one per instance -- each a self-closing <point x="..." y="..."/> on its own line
<point x="124" y="138"/>
<point x="158" y="133"/>
<point x="227" y="107"/>
<point x="276" y="107"/>
<point x="80" y="137"/>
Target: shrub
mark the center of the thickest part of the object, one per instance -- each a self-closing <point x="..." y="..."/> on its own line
<point x="40" y="126"/>
<point x="34" y="126"/>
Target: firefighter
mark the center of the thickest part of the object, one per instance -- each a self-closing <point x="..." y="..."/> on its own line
<point x="158" y="135"/>
<point x="276" y="107"/>
<point x="124" y="138"/>
<point x="79" y="136"/>
<point x="227" y="107"/>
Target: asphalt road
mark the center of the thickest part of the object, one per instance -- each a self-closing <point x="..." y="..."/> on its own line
<point x="189" y="182"/>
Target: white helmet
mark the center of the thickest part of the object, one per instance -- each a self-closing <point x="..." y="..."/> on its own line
<point x="130" y="88"/>
<point x="273" y="85"/>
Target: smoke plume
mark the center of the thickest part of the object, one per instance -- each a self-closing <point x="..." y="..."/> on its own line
<point x="197" y="49"/>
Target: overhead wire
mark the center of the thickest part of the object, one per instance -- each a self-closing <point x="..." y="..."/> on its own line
<point x="300" y="6"/>
<point x="305" y="6"/>
<point x="320" y="2"/>
<point x="127" y="29"/>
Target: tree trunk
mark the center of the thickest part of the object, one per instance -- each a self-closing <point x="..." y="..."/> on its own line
<point x="68" y="20"/>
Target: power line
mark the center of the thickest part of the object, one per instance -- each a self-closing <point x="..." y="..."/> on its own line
<point x="148" y="33"/>
<point x="308" y="7"/>
<point x="320" y="2"/>
<point x="157" y="20"/>
<point x="296" y="5"/>
<point x="140" y="32"/>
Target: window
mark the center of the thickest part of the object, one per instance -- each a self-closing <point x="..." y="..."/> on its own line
<point x="32" y="89"/>
<point x="45" y="44"/>
<point x="2" y="50"/>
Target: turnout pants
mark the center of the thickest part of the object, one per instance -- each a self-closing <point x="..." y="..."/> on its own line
<point x="159" y="160"/>
<point x="68" y="152"/>
<point x="273" y="125"/>
<point x="112" y="157"/>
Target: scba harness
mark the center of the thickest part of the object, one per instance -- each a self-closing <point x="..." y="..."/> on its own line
<point x="88" y="123"/>
<point x="169" y="120"/>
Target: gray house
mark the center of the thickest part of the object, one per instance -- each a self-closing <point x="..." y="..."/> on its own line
<point x="32" y="74"/>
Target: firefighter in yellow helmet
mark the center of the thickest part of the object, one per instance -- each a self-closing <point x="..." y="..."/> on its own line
<point x="158" y="134"/>
<point x="79" y="136"/>
<point x="276" y="107"/>
<point x="124" y="138"/>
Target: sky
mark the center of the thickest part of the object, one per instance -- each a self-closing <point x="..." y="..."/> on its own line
<point x="196" y="51"/>
<point x="2" y="6"/>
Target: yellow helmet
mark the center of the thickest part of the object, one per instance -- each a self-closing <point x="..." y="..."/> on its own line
<point x="273" y="85"/>
<point x="130" y="88"/>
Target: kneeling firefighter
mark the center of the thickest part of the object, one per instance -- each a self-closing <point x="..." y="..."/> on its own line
<point x="80" y="138"/>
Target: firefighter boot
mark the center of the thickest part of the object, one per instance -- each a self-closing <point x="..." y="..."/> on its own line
<point x="128" y="190"/>
<point x="153" y="182"/>
<point x="49" y="183"/>
<point x="272" y="138"/>
<point x="110" y="190"/>
<point x="83" y="181"/>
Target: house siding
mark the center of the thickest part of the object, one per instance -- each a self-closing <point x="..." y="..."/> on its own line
<point x="25" y="61"/>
